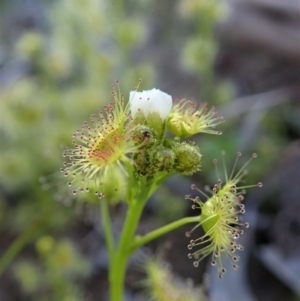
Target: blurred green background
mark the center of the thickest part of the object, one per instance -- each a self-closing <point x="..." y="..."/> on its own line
<point x="58" y="60"/>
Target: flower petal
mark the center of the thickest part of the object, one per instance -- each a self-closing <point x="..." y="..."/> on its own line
<point x="150" y="101"/>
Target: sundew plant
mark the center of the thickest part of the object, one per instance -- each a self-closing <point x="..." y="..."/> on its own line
<point x="128" y="149"/>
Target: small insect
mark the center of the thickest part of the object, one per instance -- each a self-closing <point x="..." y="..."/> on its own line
<point x="142" y="133"/>
<point x="146" y="134"/>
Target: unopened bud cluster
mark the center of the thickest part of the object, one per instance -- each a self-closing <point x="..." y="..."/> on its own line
<point x="157" y="155"/>
<point x="135" y="133"/>
<point x="156" y="118"/>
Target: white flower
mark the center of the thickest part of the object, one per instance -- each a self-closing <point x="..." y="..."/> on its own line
<point x="150" y="101"/>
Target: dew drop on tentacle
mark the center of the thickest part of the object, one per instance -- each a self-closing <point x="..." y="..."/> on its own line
<point x="240" y="247"/>
<point x="235" y="258"/>
<point x="246" y="225"/>
<point x="192" y="242"/>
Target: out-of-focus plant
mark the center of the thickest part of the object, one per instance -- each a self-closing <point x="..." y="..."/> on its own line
<point x="200" y="48"/>
<point x="162" y="285"/>
<point x="61" y="266"/>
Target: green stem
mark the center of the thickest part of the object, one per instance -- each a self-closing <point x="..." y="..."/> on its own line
<point x="119" y="263"/>
<point x="106" y="223"/>
<point x="142" y="240"/>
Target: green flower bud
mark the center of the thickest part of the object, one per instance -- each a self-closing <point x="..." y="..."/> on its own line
<point x="163" y="159"/>
<point x="220" y="218"/>
<point x="188" y="158"/>
<point x="187" y="118"/>
<point x="142" y="134"/>
<point x="141" y="162"/>
<point x="153" y="121"/>
<point x="209" y="217"/>
<point x="149" y="161"/>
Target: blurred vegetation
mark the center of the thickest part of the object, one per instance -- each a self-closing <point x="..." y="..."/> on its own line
<point x="61" y="266"/>
<point x="56" y="72"/>
<point x="162" y="285"/>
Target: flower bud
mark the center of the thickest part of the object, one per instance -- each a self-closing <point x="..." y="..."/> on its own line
<point x="141" y="162"/>
<point x="208" y="216"/>
<point x="143" y="135"/>
<point x="154" y="159"/>
<point x="150" y="108"/>
<point x="187" y="119"/>
<point x="163" y="159"/>
<point x="220" y="218"/>
<point x="188" y="158"/>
